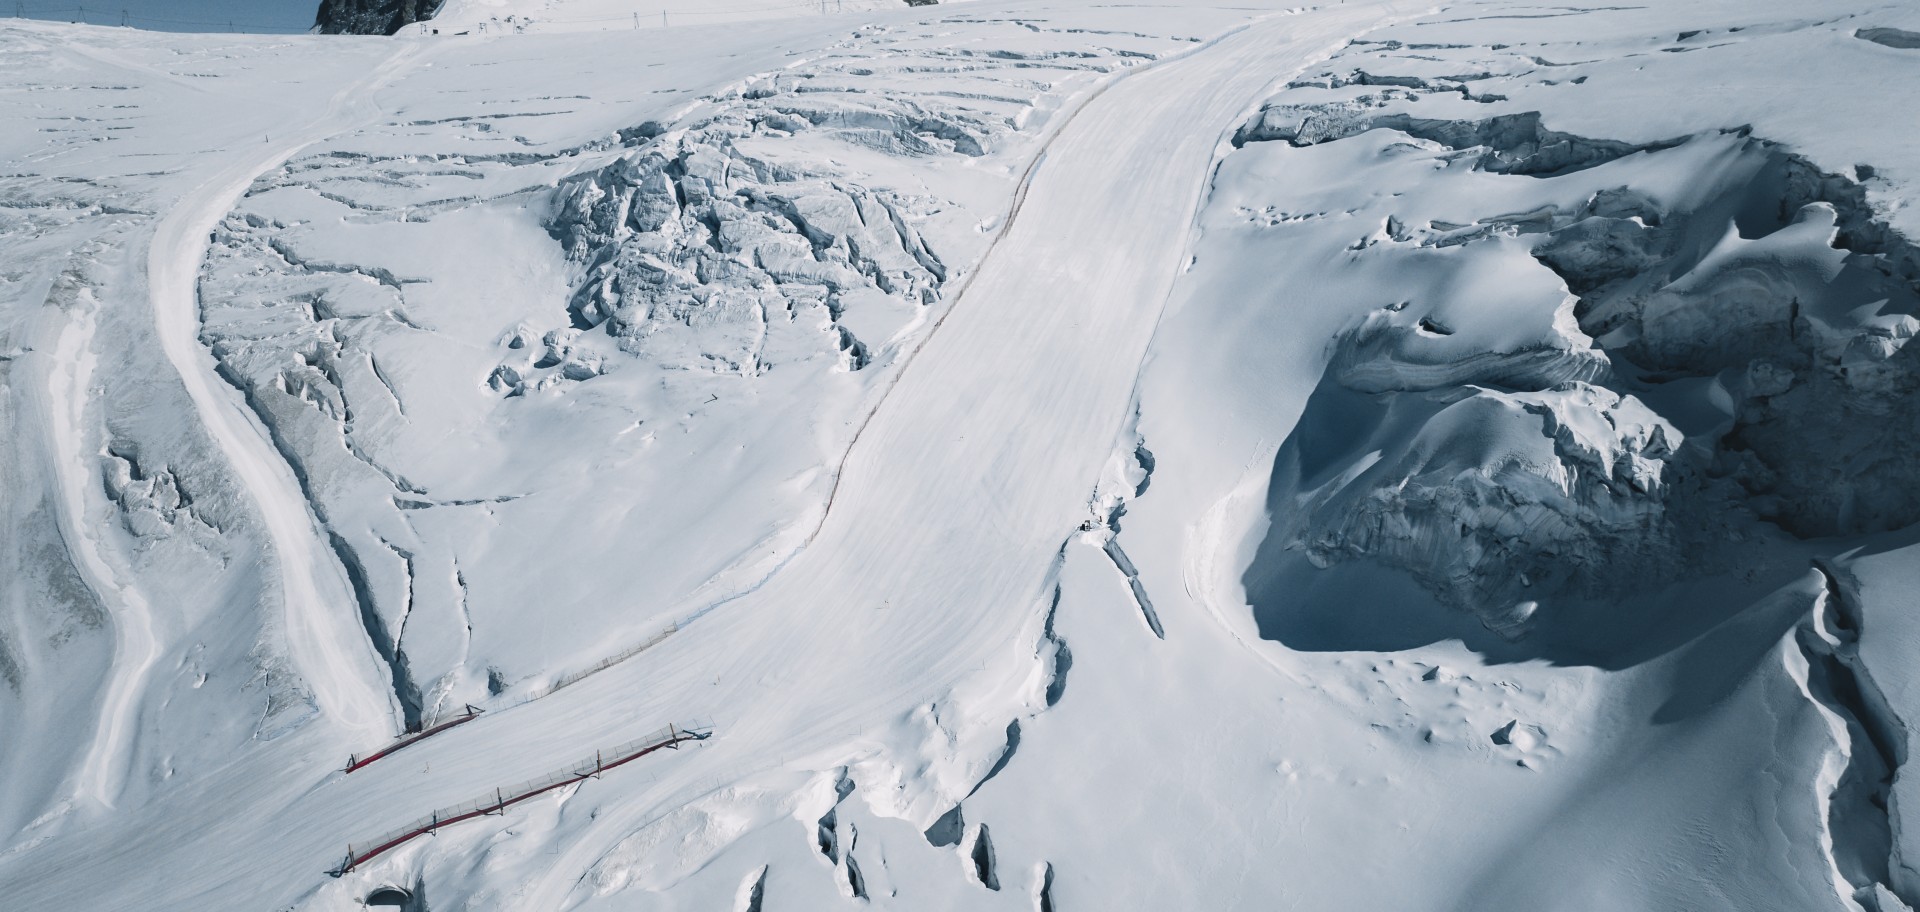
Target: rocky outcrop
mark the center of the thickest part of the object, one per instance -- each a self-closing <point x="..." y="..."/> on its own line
<point x="371" y="17"/>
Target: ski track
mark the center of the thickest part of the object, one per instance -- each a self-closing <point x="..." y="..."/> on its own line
<point x="323" y="640"/>
<point x="1007" y="220"/>
<point x="103" y="770"/>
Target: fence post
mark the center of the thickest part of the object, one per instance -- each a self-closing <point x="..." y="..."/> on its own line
<point x="596" y="765"/>
<point x="673" y="735"/>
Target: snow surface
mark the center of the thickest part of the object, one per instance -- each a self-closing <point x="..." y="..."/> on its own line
<point x="520" y="17"/>
<point x="1069" y="456"/>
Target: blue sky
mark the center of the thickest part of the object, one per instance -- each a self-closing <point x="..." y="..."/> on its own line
<point x="176" y="15"/>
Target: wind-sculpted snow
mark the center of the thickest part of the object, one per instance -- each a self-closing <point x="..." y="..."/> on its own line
<point x="1800" y="311"/>
<point x="1507" y="143"/>
<point x="1405" y="347"/>
<point x="1580" y="373"/>
<point x="1489" y="497"/>
<point x="1748" y="293"/>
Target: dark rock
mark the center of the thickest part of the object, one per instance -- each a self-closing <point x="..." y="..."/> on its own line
<point x="371" y="17"/>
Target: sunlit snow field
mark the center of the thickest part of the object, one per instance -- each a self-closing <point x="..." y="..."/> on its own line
<point x="1052" y="455"/>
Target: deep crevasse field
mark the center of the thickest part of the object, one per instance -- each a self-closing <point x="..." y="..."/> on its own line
<point x="1059" y="457"/>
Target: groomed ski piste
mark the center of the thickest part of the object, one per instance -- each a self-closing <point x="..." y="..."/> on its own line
<point x="1024" y="455"/>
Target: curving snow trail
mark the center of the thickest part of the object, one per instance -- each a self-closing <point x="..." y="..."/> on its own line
<point x="325" y="642"/>
<point x="135" y="648"/>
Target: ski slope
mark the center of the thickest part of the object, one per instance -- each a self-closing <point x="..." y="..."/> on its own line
<point x="1069" y="456"/>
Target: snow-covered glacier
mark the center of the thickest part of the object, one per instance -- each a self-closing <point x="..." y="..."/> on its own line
<point x="1025" y="454"/>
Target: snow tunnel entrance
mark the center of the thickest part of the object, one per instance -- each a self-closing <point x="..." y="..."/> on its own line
<point x="391" y="898"/>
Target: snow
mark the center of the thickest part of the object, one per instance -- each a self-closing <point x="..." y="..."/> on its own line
<point x="521" y="17"/>
<point x="1069" y="457"/>
<point x="336" y="663"/>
